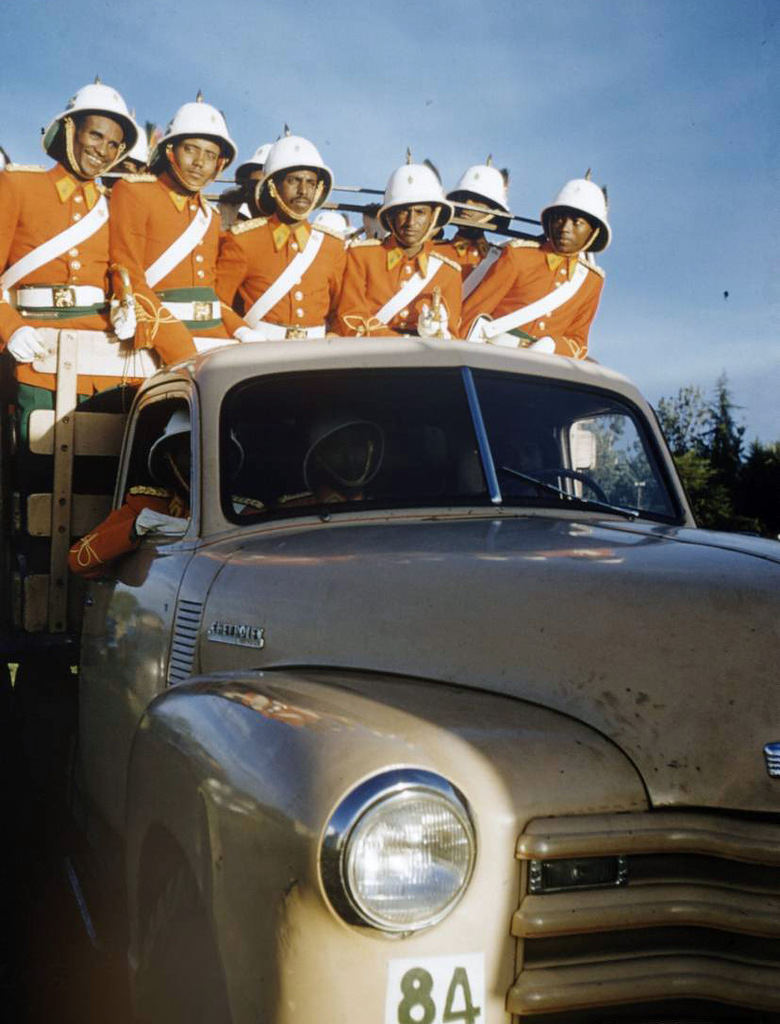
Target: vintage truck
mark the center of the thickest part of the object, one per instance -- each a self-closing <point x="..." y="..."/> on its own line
<point x="436" y="708"/>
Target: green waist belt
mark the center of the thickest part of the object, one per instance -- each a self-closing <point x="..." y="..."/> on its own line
<point x="195" y="307"/>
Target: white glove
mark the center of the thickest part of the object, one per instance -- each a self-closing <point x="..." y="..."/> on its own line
<point x="433" y="323"/>
<point x="25" y="344"/>
<point x="149" y="521"/>
<point x="122" y="317"/>
<point x="545" y="345"/>
<point x="249" y="334"/>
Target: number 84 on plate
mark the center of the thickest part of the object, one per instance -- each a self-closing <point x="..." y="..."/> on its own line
<point x="436" y="990"/>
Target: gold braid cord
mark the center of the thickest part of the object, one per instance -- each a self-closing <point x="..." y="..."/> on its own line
<point x="362" y="326"/>
<point x="86" y="554"/>
<point x="577" y="351"/>
<point x="147" y="313"/>
<point x="274" y="193"/>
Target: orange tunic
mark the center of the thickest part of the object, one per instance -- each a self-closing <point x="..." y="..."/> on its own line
<point x="376" y="271"/>
<point x="254" y="253"/>
<point x="114" y="536"/>
<point x="147" y="216"/>
<point x="527" y="271"/>
<point x="36" y="205"/>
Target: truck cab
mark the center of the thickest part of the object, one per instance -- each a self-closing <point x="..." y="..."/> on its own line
<point x="438" y="707"/>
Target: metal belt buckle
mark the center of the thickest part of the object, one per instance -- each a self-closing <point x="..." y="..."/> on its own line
<point x="296" y="333"/>
<point x="201" y="311"/>
<point x="63" y="297"/>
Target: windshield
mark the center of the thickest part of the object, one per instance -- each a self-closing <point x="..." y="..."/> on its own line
<point x="330" y="441"/>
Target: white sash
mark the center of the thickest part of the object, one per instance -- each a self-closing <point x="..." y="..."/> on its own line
<point x="284" y="282"/>
<point x="410" y="290"/>
<point x="480" y="270"/>
<point x="542" y="307"/>
<point x="49" y="250"/>
<point x="180" y="248"/>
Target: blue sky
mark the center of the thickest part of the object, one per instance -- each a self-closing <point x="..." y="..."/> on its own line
<point x="673" y="103"/>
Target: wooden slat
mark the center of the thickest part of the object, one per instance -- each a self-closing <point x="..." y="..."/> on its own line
<point x="96" y="433"/>
<point x="86" y="512"/>
<point x="64" y="430"/>
<point x="35" y="603"/>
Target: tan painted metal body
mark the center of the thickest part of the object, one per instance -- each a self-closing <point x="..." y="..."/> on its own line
<point x="593" y="686"/>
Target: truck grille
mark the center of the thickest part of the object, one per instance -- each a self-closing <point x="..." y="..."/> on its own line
<point x="696" y="919"/>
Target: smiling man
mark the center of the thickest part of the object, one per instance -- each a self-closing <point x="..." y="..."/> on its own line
<point x="544" y="294"/>
<point x="54" y="236"/>
<point x="166" y="236"/>
<point x="284" y="273"/>
<point x="402" y="285"/>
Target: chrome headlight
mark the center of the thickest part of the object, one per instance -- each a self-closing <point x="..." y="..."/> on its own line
<point x="398" y="851"/>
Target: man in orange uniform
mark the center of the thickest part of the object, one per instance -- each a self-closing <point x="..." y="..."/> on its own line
<point x="54" y="242"/>
<point x="145" y="507"/>
<point x="166" y="235"/>
<point x="544" y="294"/>
<point x="240" y="203"/>
<point x="286" y="272"/>
<point x="402" y="285"/>
<point x="482" y="185"/>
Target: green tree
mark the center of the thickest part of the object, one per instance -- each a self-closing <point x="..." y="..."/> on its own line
<point x="759" y="492"/>
<point x="707" y="444"/>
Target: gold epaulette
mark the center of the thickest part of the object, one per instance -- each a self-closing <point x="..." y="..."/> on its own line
<point x="248" y="502"/>
<point x="524" y="243"/>
<point x="592" y="266"/>
<point x="152" y="492"/>
<point x="450" y="262"/>
<point x="133" y="178"/>
<point x="248" y="225"/>
<point x="26" y="167"/>
<point x="356" y="243"/>
<point x="328" y="231"/>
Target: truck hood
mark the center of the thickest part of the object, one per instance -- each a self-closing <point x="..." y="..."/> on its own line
<point x="663" y="640"/>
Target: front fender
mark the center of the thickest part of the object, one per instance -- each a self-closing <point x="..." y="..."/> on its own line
<point x="242" y="770"/>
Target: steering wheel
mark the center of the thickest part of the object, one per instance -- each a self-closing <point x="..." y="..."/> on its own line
<point x="574" y="474"/>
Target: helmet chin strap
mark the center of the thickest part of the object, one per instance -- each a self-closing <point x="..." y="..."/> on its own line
<point x="184" y="484"/>
<point x="69" y="127"/>
<point x="176" y="170"/>
<point x="280" y="203"/>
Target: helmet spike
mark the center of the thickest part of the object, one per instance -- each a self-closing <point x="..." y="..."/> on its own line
<point x="587" y="174"/>
<point x="97" y="80"/>
<point x="199" y="97"/>
<point x="606" y="197"/>
<point x="408" y="154"/>
<point x="287" y="131"/>
<point x="505" y="176"/>
<point x="489" y="161"/>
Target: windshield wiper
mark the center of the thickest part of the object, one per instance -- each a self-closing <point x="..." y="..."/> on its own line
<point x="602" y="506"/>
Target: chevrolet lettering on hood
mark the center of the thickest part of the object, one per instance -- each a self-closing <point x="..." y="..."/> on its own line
<point x="508" y="755"/>
<point x="240" y="634"/>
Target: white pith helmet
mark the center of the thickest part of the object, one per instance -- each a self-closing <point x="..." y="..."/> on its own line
<point x="179" y="423"/>
<point x="197" y="120"/>
<point x="584" y="195"/>
<point x="140" y="151"/>
<point x="293" y="151"/>
<point x="95" y="98"/>
<point x="334" y="221"/>
<point x="256" y="161"/>
<point x="413" y="184"/>
<point x="484" y="181"/>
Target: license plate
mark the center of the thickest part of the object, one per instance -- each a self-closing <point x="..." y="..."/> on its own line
<point x="436" y="990"/>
